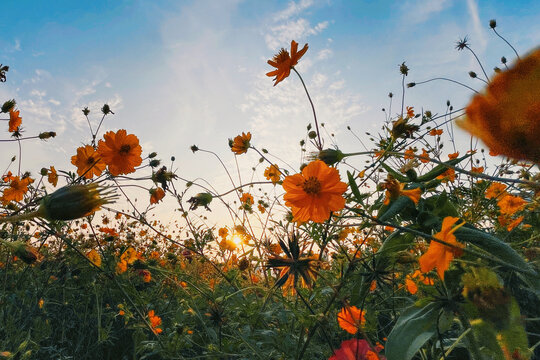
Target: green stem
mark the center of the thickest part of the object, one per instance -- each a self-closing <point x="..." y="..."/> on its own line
<point x="474" y="347"/>
<point x="21" y="217"/>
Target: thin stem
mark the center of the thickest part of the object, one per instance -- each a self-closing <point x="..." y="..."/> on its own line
<point x="446" y="79"/>
<point x="319" y="145"/>
<point x="506" y="42"/>
<point x="479" y="63"/>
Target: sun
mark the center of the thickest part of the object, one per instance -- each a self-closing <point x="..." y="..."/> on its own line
<point x="236" y="239"/>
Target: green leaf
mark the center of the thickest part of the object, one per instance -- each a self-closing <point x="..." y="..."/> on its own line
<point x="441" y="168"/>
<point x="395" y="242"/>
<point x="354" y="187"/>
<point x="394" y="208"/>
<point x="396" y="175"/>
<point x="414" y="327"/>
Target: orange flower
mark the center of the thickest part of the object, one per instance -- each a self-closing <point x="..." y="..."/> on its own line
<point x="272" y="173"/>
<point x="87" y="162"/>
<point x="409" y="154"/>
<point x="16" y="190"/>
<point x="283" y="62"/>
<point x="505" y="117"/>
<point x="156" y="195"/>
<point x="410" y="112"/>
<point x="315" y="193"/>
<point x="448" y="175"/>
<point x="155" y="321"/>
<point x="146" y="275"/>
<point x="453" y="155"/>
<point x="477" y="170"/>
<point x="120" y="151"/>
<point x="247" y="199"/>
<point x="241" y="143"/>
<point x="509" y="223"/>
<point x="350" y="319"/>
<point x="52" y="177"/>
<point x="436" y="132"/>
<point x="410" y="284"/>
<point x="438" y="255"/>
<point x="424" y="156"/>
<point x="495" y="190"/>
<point x="511" y="204"/>
<point x="223" y="232"/>
<point x="14" y="120"/>
<point x="129" y="256"/>
<point x="94" y="257"/>
<point x="395" y="189"/>
<point x="121" y="267"/>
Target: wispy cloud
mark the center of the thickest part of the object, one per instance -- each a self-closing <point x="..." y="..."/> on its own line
<point x="294" y="8"/>
<point x="419" y="11"/>
<point x="479" y="33"/>
<point x="294" y="29"/>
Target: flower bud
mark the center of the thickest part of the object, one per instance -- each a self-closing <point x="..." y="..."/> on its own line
<point x="47" y="135"/>
<point x="194" y="148"/>
<point x="201" y="199"/>
<point x="8" y="105"/>
<point x="86" y="111"/>
<point x="312" y="134"/>
<point x="74" y="201"/>
<point x="403" y="69"/>
<point x="23" y="251"/>
<point x="472" y="74"/>
<point x="411" y="84"/>
<point x="330" y="156"/>
<point x="155" y="162"/>
<point x="44" y="172"/>
<point x="152" y="155"/>
<point x="493" y="23"/>
<point x="106" y="109"/>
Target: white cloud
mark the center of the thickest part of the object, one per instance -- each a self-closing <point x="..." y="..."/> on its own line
<point x="419" y="11"/>
<point x="479" y="33"/>
<point x="298" y="29"/>
<point x="293" y="9"/>
<point x="324" y="54"/>
<point x="17" y="46"/>
<point x="54" y="102"/>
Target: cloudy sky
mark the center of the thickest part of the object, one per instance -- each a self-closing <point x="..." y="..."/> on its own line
<point x="178" y="73"/>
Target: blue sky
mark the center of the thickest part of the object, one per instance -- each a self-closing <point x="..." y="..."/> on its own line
<point x="178" y="73"/>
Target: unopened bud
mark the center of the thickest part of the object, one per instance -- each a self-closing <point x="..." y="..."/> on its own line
<point x="472" y="74"/>
<point x="330" y="156"/>
<point x="8" y="105"/>
<point x="201" y="199"/>
<point x="493" y="23"/>
<point x="154" y="162"/>
<point x="403" y="69"/>
<point x="44" y="171"/>
<point x="152" y="155"/>
<point x="74" y="201"/>
<point x="411" y="84"/>
<point x="312" y="134"/>
<point x="106" y="109"/>
<point x="194" y="148"/>
<point x="47" y="135"/>
<point x="85" y="111"/>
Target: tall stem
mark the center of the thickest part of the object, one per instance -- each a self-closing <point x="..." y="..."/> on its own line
<point x="319" y="142"/>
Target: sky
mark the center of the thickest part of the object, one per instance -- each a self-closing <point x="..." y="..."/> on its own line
<point x="179" y="73"/>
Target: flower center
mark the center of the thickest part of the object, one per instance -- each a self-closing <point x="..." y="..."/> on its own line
<point x="124" y="150"/>
<point x="312" y="186"/>
<point x="90" y="160"/>
<point x="282" y="56"/>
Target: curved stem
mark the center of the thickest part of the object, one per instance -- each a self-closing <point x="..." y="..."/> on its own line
<point x="446" y="79"/>
<point x="319" y="144"/>
<point x="479" y="63"/>
<point x="506" y="41"/>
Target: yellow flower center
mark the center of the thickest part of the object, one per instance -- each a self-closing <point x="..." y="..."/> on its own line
<point x="124" y="150"/>
<point x="312" y="186"/>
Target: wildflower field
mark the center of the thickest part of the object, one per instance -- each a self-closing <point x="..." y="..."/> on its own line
<point x="411" y="246"/>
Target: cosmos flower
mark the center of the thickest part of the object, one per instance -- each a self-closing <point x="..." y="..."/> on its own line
<point x="438" y="255"/>
<point x="506" y="115"/>
<point x="120" y="152"/>
<point x="351" y="319"/>
<point x="241" y="143"/>
<point x="87" y="162"/>
<point x="284" y="62"/>
<point x="314" y="193"/>
<point x="14" y="120"/>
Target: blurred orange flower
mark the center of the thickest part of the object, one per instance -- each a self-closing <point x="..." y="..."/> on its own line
<point x="52" y="177"/>
<point x="16" y="190"/>
<point x="424" y="156"/>
<point x="511" y="204"/>
<point x="495" y="190"/>
<point x="272" y="173"/>
<point x="241" y="143"/>
<point x="156" y="195"/>
<point x="505" y="117"/>
<point x="246" y="198"/>
<point x="314" y="193"/>
<point x="438" y="255"/>
<point x="94" y="257"/>
<point x="14" y="120"/>
<point x="87" y="162"/>
<point x="283" y="62"/>
<point x="120" y="151"/>
<point x="436" y="132"/>
<point x="410" y="112"/>
<point x="155" y="321"/>
<point x="351" y="319"/>
<point x="448" y="175"/>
